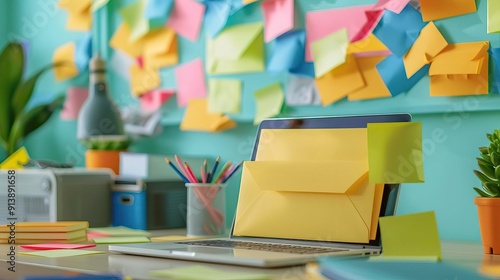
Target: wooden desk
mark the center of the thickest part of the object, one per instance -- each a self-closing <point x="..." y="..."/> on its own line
<point x="466" y="254"/>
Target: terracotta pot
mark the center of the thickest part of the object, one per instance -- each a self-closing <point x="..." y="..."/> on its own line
<point x="103" y="159"/>
<point x="489" y="223"/>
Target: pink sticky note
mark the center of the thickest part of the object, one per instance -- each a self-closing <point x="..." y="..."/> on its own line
<point x="395" y="6"/>
<point x="92" y="235"/>
<point x="186" y="18"/>
<point x="359" y="22"/>
<point x="278" y="17"/>
<point x="74" y="100"/>
<point x="190" y="79"/>
<point x="54" y="246"/>
<point x="154" y="99"/>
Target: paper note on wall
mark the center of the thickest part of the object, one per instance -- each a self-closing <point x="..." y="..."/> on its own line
<point x="269" y="102"/>
<point x="157" y="12"/>
<point x="143" y="80"/>
<point x="224" y="96"/>
<point x="278" y="18"/>
<point x="83" y="52"/>
<point x="434" y="10"/>
<point x="197" y="118"/>
<point x="133" y="17"/>
<point x="374" y="85"/>
<point x="79" y="14"/>
<point x="410" y="236"/>
<point x="120" y="41"/>
<point x="64" y="59"/>
<point x="288" y="55"/>
<point x="493" y="16"/>
<point x="16" y="160"/>
<point x="370" y="46"/>
<point x="97" y="4"/>
<point x="190" y="79"/>
<point x="329" y="52"/>
<point x="216" y="16"/>
<point x="75" y="97"/>
<point x="392" y="71"/>
<point x="154" y="99"/>
<point x="395" y="152"/>
<point x="160" y="48"/>
<point x="395" y="6"/>
<point x="301" y="91"/>
<point x="186" y="18"/>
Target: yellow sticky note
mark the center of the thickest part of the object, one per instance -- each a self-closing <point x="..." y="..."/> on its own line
<point x="237" y="49"/>
<point x="64" y="58"/>
<point x="118" y="231"/>
<point x="143" y="80"/>
<point x="339" y="82"/>
<point x="330" y="52"/>
<point x="160" y="48"/>
<point x="121" y="239"/>
<point x="434" y="10"/>
<point x="16" y="160"/>
<point x="224" y="96"/>
<point x="374" y="85"/>
<point x="193" y="272"/>
<point x="75" y="6"/>
<point x="197" y="118"/>
<point x="395" y="152"/>
<point x="79" y="21"/>
<point x="269" y="101"/>
<point x="493" y="16"/>
<point x="133" y="17"/>
<point x="429" y="44"/>
<point x="369" y="46"/>
<point x="60" y="253"/>
<point x="120" y="41"/>
<point x="410" y="236"/>
<point x="460" y="69"/>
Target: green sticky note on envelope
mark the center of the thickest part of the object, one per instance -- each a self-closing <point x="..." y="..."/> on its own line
<point x="493" y="18"/>
<point x="395" y="153"/>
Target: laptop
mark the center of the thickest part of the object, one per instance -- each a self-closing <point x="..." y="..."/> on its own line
<point x="277" y="233"/>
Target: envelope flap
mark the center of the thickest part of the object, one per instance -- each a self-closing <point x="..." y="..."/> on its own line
<point x="464" y="58"/>
<point x="234" y="41"/>
<point x="307" y="176"/>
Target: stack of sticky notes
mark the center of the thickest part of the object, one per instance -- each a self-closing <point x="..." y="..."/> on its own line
<point x="118" y="235"/>
<point x="44" y="232"/>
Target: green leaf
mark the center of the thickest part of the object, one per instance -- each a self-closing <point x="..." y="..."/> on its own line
<point x="24" y="91"/>
<point x="490" y="137"/>
<point x="491" y="188"/>
<point x="483" y="177"/>
<point x="486" y="167"/>
<point x="483" y="150"/>
<point x="11" y="72"/>
<point x="495" y="158"/>
<point x="482" y="193"/>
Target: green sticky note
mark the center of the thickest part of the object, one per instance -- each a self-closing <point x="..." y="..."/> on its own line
<point x="269" y="102"/>
<point x="194" y="272"/>
<point x="118" y="231"/>
<point x="395" y="153"/>
<point x="410" y="236"/>
<point x="493" y="16"/>
<point x="224" y="96"/>
<point x="121" y="240"/>
<point x="330" y="52"/>
<point x="61" y="253"/>
<point x="133" y="17"/>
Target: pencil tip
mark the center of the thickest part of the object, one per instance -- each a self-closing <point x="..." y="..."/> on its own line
<point x="167" y="159"/>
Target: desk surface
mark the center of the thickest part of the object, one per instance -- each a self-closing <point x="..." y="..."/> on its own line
<point x="466" y="254"/>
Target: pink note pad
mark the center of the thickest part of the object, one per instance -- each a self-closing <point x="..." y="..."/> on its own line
<point x="75" y="97"/>
<point x="50" y="246"/>
<point x="186" y="18"/>
<point x="190" y="79"/>
<point x="278" y="18"/>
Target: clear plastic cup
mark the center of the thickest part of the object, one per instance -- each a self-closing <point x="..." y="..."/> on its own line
<point x="206" y="207"/>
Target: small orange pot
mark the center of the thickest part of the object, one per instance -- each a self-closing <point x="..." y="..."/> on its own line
<point x="103" y="159"/>
<point x="488" y="210"/>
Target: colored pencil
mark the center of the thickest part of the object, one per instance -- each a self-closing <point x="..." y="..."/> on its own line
<point x="231" y="173"/>
<point x="190" y="172"/>
<point x="203" y="175"/>
<point x="218" y="178"/>
<point x="181" y="166"/>
<point x="177" y="170"/>
<point x="214" y="169"/>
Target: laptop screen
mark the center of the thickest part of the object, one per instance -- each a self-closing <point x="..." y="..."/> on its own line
<point x="284" y="193"/>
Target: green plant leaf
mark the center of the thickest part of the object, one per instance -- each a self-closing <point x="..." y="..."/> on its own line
<point x="495" y="158"/>
<point x="483" y="150"/>
<point x="483" y="177"/>
<point x="486" y="167"/>
<point x="11" y="72"/>
<point x="491" y="188"/>
<point x="24" y="91"/>
<point x="482" y="193"/>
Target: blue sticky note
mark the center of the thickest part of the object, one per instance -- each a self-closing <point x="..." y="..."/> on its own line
<point x="216" y="15"/>
<point x="83" y="52"/>
<point x="392" y="71"/>
<point x="289" y="55"/>
<point x="157" y="12"/>
<point x="495" y="55"/>
<point x="399" y="31"/>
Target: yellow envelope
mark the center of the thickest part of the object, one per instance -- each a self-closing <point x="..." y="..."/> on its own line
<point x="197" y="118"/>
<point x="434" y="10"/>
<point x="375" y="86"/>
<point x="237" y="49"/>
<point x="160" y="48"/>
<point x="277" y="197"/>
<point x="143" y="80"/>
<point x="460" y="69"/>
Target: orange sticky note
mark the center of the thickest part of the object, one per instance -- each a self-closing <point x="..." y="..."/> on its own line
<point x="197" y="118"/>
<point x="79" y="21"/>
<point x="370" y="46"/>
<point x="75" y="6"/>
<point x="339" y="82"/>
<point x="143" y="80"/>
<point x="160" y="48"/>
<point x="430" y="42"/>
<point x="64" y="56"/>
<point x="439" y="9"/>
<point x="375" y="86"/>
<point x="121" y="41"/>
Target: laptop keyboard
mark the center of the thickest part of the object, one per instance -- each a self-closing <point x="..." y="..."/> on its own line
<point x="263" y="246"/>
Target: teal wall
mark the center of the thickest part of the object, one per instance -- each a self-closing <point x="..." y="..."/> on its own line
<point x="453" y="128"/>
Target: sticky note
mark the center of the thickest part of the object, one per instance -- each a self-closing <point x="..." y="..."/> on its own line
<point x="197" y="118"/>
<point x="193" y="272"/>
<point x="160" y="48"/>
<point x="428" y="45"/>
<point x="269" y="101"/>
<point x="374" y="85"/>
<point x="83" y="52"/>
<point x="97" y="4"/>
<point x="54" y="246"/>
<point x="493" y="16"/>
<point x="278" y="18"/>
<point x="393" y="73"/>
<point x="186" y="18"/>
<point x="395" y="153"/>
<point x="288" y="55"/>
<point x="132" y="16"/>
<point x="346" y="78"/>
<point x="75" y="97"/>
<point x="224" y="96"/>
<point x="216" y="15"/>
<point x="119" y="231"/>
<point x="399" y="31"/>
<point x="395" y="6"/>
<point x="410" y="236"/>
<point x="60" y="253"/>
<point x="74" y="6"/>
<point x="370" y="46"/>
<point x="329" y="51"/>
<point x="16" y="160"/>
<point x="301" y="91"/>
<point x="154" y="99"/>
<point x="143" y="80"/>
<point x="64" y="58"/>
<point x="157" y="12"/>
<point x="121" y="41"/>
<point x="495" y="55"/>
<point x="190" y="79"/>
<point x="79" y="21"/>
<point x="434" y="10"/>
<point x="120" y="239"/>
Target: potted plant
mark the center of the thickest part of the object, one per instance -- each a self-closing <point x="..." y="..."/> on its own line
<point x="16" y="120"/>
<point x="104" y="151"/>
<point x="488" y="201"/>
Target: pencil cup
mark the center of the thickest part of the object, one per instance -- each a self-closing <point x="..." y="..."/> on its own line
<point x="206" y="207"/>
